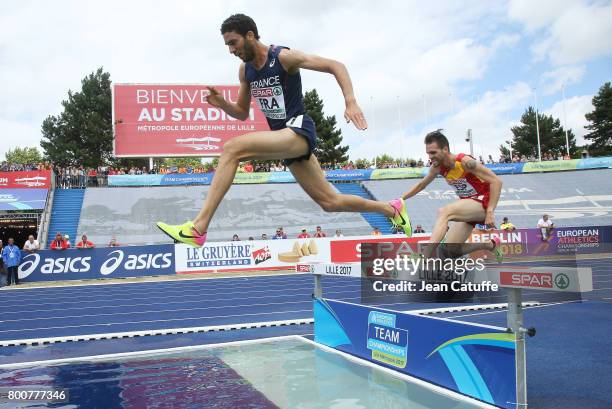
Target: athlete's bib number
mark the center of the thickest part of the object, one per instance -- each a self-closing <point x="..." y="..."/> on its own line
<point x="271" y="101"/>
<point x="463" y="188"/>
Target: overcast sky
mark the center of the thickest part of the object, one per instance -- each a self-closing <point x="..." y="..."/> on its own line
<point x="415" y="65"/>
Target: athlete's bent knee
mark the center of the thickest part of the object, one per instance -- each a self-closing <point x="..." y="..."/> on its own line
<point x="233" y="149"/>
<point x="444" y="213"/>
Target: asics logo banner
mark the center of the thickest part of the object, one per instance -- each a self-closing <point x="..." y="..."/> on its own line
<point x="28" y="265"/>
<point x="135" y="262"/>
<point x="53" y="265"/>
<point x="78" y="264"/>
<point x="112" y="263"/>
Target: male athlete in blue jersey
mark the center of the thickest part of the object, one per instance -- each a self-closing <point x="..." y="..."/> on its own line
<point x="271" y="75"/>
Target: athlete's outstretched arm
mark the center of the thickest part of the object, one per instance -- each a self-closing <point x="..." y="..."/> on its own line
<point x="293" y="60"/>
<point x="238" y="109"/>
<point x="495" y="185"/>
<point x="433" y="172"/>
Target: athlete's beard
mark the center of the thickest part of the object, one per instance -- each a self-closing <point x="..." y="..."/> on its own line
<point x="248" y="53"/>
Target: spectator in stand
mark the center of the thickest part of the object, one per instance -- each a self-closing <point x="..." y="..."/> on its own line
<point x="319" y="232"/>
<point x="31" y="245"/>
<point x="546" y="226"/>
<point x="92" y="176"/>
<point x="338" y="233"/>
<point x="235" y="237"/>
<point x="251" y="238"/>
<point x="248" y="167"/>
<point x="280" y="234"/>
<point x="84" y="243"/>
<point x="82" y="177"/>
<point x="100" y="176"/>
<point x="11" y="255"/>
<point x="2" y="269"/>
<point x="264" y="236"/>
<point x="303" y="235"/>
<point x="113" y="242"/>
<point x="419" y="229"/>
<point x="59" y="243"/>
<point x="506" y="225"/>
<point x="376" y="232"/>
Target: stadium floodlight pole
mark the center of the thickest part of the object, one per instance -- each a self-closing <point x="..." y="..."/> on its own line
<point x="373" y="124"/>
<point x="452" y="101"/>
<point x="535" y="96"/>
<point x="565" y="120"/>
<point x="470" y="139"/>
<point x="401" y="132"/>
<point x="425" y="111"/>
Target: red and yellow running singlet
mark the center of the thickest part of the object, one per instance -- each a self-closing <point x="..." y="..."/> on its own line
<point x="466" y="184"/>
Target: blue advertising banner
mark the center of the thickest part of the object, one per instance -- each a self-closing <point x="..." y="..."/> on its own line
<point x="107" y="262"/>
<point x="471" y="359"/>
<point x="354" y="174"/>
<point x="186" y="179"/>
<point x="134" y="180"/>
<point x="22" y="199"/>
<point x="281" y="177"/>
<point x="594" y="163"/>
<point x="505" y="168"/>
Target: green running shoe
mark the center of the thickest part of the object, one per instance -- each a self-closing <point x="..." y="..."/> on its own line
<point x="183" y="233"/>
<point x="499" y="256"/>
<point x="401" y="217"/>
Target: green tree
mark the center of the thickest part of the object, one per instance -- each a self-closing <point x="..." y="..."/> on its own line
<point x="552" y="136"/>
<point x="362" y="163"/>
<point x="384" y="159"/>
<point x="23" y="155"/>
<point x="82" y="134"/>
<point x="328" y="151"/>
<point x="600" y="119"/>
<point x="182" y="162"/>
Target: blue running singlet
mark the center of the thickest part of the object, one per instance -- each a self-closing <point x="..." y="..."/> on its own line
<point x="278" y="95"/>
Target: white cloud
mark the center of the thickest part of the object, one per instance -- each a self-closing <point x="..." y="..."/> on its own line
<point x="399" y="49"/>
<point x="554" y="80"/>
<point x="581" y="33"/>
<point x="489" y="117"/>
<point x="441" y="51"/>
<point x="575" y="108"/>
<point x="18" y="134"/>
<point x="575" y="31"/>
<point x="537" y="14"/>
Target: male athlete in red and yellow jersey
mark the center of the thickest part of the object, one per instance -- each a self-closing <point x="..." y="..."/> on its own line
<point x="478" y="189"/>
